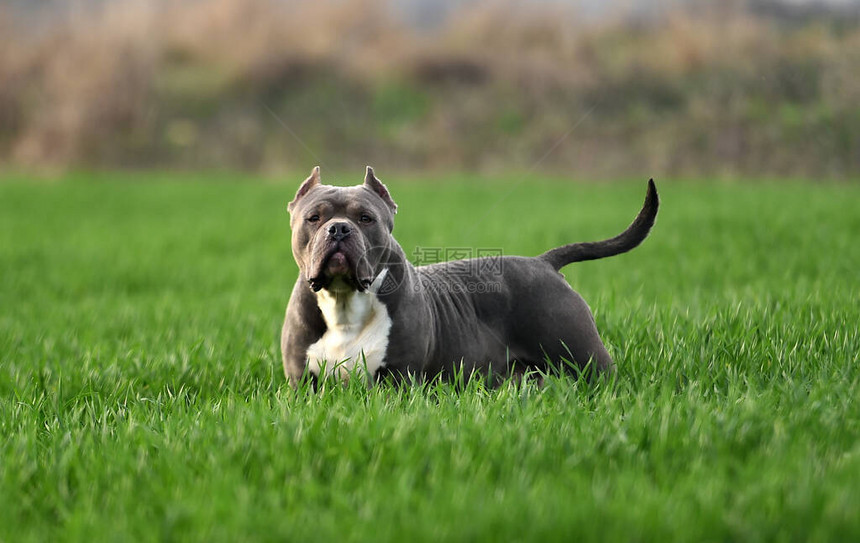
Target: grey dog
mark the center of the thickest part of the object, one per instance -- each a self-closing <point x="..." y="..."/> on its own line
<point x="359" y="304"/>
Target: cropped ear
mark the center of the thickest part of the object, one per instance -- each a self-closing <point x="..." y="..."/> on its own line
<point x="374" y="184"/>
<point x="309" y="183"/>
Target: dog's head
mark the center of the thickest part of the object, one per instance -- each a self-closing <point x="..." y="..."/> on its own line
<point x="341" y="234"/>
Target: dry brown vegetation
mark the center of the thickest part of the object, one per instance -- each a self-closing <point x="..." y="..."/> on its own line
<point x="261" y="84"/>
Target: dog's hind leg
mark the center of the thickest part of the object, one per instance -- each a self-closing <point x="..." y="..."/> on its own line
<point x="564" y="331"/>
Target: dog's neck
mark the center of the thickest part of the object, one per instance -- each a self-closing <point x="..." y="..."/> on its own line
<point x="347" y="309"/>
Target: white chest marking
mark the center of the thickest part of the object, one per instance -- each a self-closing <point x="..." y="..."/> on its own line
<point x="357" y="332"/>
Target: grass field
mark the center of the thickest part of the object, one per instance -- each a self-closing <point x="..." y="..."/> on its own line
<point x="142" y="396"/>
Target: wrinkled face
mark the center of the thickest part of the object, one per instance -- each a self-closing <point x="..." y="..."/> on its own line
<point x="340" y="234"/>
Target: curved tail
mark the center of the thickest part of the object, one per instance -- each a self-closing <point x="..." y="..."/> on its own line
<point x="623" y="242"/>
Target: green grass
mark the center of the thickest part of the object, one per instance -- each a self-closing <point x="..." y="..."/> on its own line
<point x="142" y="398"/>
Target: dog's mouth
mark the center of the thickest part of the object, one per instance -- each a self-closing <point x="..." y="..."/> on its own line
<point x="337" y="264"/>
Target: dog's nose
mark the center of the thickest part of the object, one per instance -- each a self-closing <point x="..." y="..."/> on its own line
<point x="339" y="230"/>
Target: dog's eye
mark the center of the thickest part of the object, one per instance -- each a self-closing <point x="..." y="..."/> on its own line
<point x="314" y="218"/>
<point x="365" y="218"/>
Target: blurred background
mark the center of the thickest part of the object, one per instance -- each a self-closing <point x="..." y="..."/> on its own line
<point x="589" y="88"/>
